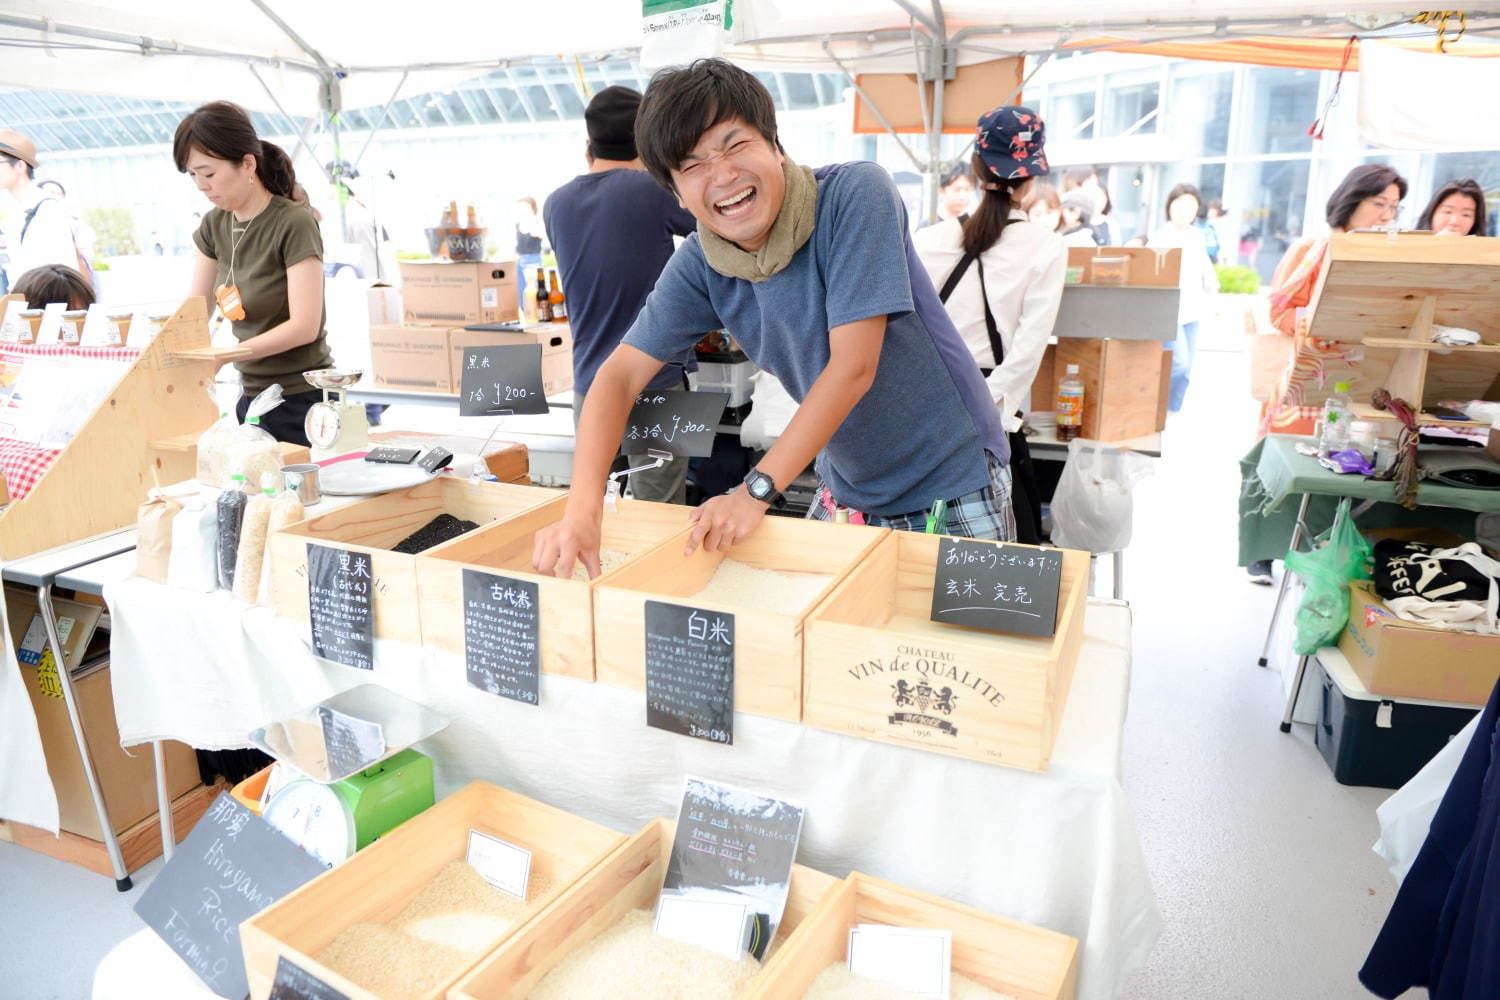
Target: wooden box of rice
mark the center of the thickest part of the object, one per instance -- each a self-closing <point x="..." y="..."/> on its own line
<point x="770" y="582"/>
<point x="877" y="666"/>
<point x="993" y="957"/>
<point x="408" y="915"/>
<point x="392" y="529"/>
<point x="565" y="609"/>
<point x="596" y="940"/>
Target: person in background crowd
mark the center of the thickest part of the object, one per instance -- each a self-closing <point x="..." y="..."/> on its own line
<point x="1225" y="236"/>
<point x="529" y="235"/>
<point x="1077" y="214"/>
<point x="1001" y="278"/>
<point x="1210" y="234"/>
<point x="612" y="230"/>
<point x="260" y="256"/>
<point x="1368" y="197"/>
<point x="42" y="286"/>
<point x="956" y="193"/>
<point x="1196" y="280"/>
<point x="83" y="233"/>
<point x="44" y="233"/>
<point x="1086" y="180"/>
<point x="1043" y="207"/>
<point x="1456" y="209"/>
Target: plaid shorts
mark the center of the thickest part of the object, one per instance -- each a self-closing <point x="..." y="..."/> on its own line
<point x="986" y="513"/>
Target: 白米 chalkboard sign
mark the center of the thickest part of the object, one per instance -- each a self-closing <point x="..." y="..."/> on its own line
<point x="502" y="644"/>
<point x="998" y="587"/>
<point x="504" y="379"/>
<point x="690" y="671"/>
<point x="351" y="744"/>
<point x="339" y="606"/>
<point x="232" y="866"/>
<point x="674" y="420"/>
<point x="293" y="982"/>
<point x="734" y="842"/>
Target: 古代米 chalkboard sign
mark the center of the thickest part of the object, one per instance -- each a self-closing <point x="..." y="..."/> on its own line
<point x="232" y="866"/>
<point x="339" y="605"/>
<point x="690" y="671"/>
<point x="293" y="982"/>
<point x="998" y="587"/>
<point x="674" y="420"/>
<point x="502" y="645"/>
<point x="504" y="379"/>
<point x="734" y="843"/>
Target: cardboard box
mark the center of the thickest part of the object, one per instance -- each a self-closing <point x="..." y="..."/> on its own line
<point x="453" y="293"/>
<point x="1403" y="659"/>
<point x="557" y="351"/>
<point x="411" y="358"/>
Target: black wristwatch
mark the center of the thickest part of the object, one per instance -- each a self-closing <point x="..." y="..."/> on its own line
<point x="763" y="488"/>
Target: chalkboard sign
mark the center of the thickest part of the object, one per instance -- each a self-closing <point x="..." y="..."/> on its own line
<point x="351" y="744"/>
<point x="501" y="644"/>
<point x="293" y="982"/>
<point x="674" y="420"/>
<point x="232" y="866"/>
<point x="737" y="843"/>
<point x="504" y="379"/>
<point x="998" y="587"/>
<point x="690" y="671"/>
<point x="338" y="603"/>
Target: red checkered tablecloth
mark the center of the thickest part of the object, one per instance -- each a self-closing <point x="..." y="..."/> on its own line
<point x="98" y="353"/>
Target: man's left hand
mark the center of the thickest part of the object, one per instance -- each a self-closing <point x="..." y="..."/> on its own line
<point x="724" y="520"/>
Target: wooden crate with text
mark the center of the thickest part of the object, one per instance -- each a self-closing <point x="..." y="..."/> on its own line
<point x="373" y="526"/>
<point x="376" y="884"/>
<point x="873" y="642"/>
<point x="629" y="879"/>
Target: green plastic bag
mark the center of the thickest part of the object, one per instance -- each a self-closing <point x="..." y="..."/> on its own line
<point x="1339" y="555"/>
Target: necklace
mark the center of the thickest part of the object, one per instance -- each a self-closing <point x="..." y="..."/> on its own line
<point x="237" y="236"/>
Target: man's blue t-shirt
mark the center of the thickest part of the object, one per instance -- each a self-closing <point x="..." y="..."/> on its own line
<point x="920" y="433"/>
<point x="612" y="232"/>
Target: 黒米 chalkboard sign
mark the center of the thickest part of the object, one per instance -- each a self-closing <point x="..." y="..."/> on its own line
<point x="232" y="866"/>
<point x="999" y="587"/>
<point x="690" y="671"/>
<point x="501" y="636"/>
<point x="737" y="843"/>
<point x="339" y="606"/>
<point x="504" y="379"/>
<point x="293" y="982"/>
<point x="674" y="420"/>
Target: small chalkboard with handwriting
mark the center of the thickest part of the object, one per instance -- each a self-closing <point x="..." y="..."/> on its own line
<point x="293" y="982"/>
<point x="502" y="644"/>
<point x="674" y="420"/>
<point x="340" y="593"/>
<point x="997" y="587"/>
<point x="233" y="865"/>
<point x="690" y="671"/>
<point x="506" y="379"/>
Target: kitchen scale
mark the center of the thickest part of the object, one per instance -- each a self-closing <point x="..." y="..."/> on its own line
<point x="360" y="777"/>
<point x="337" y="425"/>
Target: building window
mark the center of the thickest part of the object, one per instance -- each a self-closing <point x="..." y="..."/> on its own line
<point x="1280" y="105"/>
<point x="1131" y="107"/>
<point x="1072" y="111"/>
<point x="1200" y="113"/>
<point x="1269" y="203"/>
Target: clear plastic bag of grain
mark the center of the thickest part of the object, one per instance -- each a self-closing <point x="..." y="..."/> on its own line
<point x="251" y="554"/>
<point x="286" y="510"/>
<point x="213" y="451"/>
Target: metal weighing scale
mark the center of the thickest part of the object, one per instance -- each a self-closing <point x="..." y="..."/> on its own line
<point x="337" y="809"/>
<point x="337" y="425"/>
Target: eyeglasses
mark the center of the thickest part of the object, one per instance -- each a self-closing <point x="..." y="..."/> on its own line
<point x="1383" y="205"/>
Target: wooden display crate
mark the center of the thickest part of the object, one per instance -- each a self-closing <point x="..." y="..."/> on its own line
<point x="875" y="629"/>
<point x="373" y="526"/>
<point x="1016" y="959"/>
<point x="1125" y="385"/>
<point x="376" y="884"/>
<point x="566" y="607"/>
<point x="768" y="645"/>
<point x="629" y="879"/>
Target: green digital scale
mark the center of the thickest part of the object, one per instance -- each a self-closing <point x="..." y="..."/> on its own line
<point x="359" y="780"/>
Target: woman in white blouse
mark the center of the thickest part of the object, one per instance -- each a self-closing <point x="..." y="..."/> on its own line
<point x="1001" y="278"/>
<point x="1197" y="280"/>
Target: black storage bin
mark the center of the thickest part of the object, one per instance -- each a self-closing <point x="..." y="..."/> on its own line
<point x="1370" y="739"/>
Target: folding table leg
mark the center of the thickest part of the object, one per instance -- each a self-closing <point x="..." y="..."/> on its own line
<point x="1119" y="561"/>
<point x="1291" y="703"/>
<point x="1298" y="530"/>
<point x="163" y="802"/>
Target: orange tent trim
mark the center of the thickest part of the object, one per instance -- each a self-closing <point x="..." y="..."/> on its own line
<point x="1293" y="53"/>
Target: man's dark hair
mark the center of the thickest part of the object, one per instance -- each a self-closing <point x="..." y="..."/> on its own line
<point x="1365" y="181"/>
<point x="30" y="170"/>
<point x="1470" y="189"/>
<point x="682" y="103"/>
<point x="1178" y="191"/>
<point x="957" y="172"/>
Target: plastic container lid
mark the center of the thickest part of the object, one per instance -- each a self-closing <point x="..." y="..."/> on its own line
<point x="1341" y="387"/>
<point x="1072" y="369"/>
<point x="238" y="477"/>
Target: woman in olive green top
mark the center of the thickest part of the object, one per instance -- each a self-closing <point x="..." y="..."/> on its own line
<point x="260" y="256"/>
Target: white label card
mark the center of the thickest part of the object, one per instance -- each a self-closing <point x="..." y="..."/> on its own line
<point x="714" y="924"/>
<point x="95" y="330"/>
<point x="50" y="330"/>
<point x="908" y="958"/>
<point x="489" y="298"/>
<point x="504" y="866"/>
<point x="10" y="326"/>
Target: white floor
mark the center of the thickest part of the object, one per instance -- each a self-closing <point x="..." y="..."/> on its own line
<point x="1261" y="861"/>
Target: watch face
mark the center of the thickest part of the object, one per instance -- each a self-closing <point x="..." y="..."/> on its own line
<point x="322" y="425"/>
<point x="315" y="819"/>
<point x="761" y="486"/>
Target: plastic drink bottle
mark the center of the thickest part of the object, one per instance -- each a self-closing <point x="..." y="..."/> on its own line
<point x="1070" y="405"/>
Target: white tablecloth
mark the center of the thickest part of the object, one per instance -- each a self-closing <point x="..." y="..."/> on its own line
<point x="1059" y="850"/>
<point x="26" y="793"/>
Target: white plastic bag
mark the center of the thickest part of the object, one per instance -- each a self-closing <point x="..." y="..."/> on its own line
<point x="1093" y="505"/>
<point x="193" y="564"/>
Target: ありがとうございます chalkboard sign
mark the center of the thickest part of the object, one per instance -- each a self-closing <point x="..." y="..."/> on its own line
<point x="997" y="586"/>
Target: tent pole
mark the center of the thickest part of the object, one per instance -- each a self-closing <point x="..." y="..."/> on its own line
<point x="331" y="96"/>
<point x="938" y="66"/>
<point x="380" y="121"/>
<point x="879" y="115"/>
<point x="302" y="142"/>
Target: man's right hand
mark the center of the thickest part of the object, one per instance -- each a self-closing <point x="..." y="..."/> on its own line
<point x="575" y="538"/>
